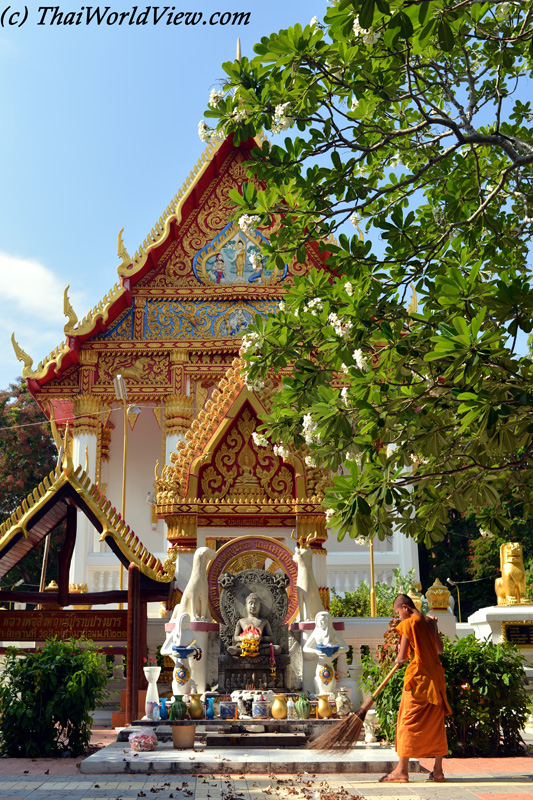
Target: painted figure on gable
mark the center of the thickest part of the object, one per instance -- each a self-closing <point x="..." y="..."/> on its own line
<point x="232" y="258"/>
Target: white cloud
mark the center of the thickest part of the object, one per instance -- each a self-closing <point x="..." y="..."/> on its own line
<point x="31" y="305"/>
<point x="32" y="287"/>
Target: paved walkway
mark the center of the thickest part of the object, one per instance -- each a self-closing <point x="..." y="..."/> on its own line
<point x="468" y="779"/>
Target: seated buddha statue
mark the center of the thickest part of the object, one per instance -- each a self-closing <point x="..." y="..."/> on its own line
<point x="253" y="622"/>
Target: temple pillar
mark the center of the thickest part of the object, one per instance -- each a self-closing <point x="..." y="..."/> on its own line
<point x="86" y="425"/>
<point x="178" y="410"/>
<point x="182" y="531"/>
<point x="315" y="526"/>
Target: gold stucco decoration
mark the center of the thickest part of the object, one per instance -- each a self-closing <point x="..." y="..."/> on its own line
<point x="68" y="311"/>
<point x="511" y="587"/>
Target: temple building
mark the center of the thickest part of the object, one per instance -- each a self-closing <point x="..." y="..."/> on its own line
<point x="194" y="475"/>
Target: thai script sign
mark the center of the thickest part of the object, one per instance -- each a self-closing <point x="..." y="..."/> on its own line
<point x="39" y="625"/>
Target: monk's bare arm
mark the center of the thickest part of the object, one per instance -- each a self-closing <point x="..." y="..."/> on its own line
<point x="401" y="658"/>
<point x="436" y="633"/>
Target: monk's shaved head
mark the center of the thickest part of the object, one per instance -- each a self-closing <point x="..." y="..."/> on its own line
<point x="403" y="600"/>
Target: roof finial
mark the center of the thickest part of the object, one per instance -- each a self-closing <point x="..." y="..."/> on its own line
<point x="239" y="54"/>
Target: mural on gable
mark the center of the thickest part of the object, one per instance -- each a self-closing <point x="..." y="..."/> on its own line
<point x="234" y="257"/>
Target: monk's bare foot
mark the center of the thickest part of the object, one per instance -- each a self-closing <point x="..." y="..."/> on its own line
<point x="394" y="777"/>
<point x="437" y="777"/>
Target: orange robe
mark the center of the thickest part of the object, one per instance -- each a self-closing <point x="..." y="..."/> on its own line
<point x="420" y="732"/>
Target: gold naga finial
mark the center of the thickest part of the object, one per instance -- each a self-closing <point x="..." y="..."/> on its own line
<point x="70" y="314"/>
<point x="239" y="54"/>
<point x="22" y="356"/>
<point x="123" y="254"/>
<point x="63" y="443"/>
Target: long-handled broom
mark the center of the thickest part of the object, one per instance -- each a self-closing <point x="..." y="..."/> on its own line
<point x="346" y="732"/>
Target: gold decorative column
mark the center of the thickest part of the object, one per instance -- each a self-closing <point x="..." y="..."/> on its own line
<point x="87" y="371"/>
<point x="86" y="415"/>
<point x="138" y="318"/>
<point x="178" y="414"/>
<point x="182" y="532"/>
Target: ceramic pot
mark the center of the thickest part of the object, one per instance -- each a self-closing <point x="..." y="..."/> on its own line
<point x="228" y="710"/>
<point x="178" y="709"/>
<point x="164" y="708"/>
<point x="183" y="736"/>
<point x="152" y="695"/>
<point x="210" y="709"/>
<point x="324" y="707"/>
<point x="260" y="709"/>
<point x="196" y="707"/>
<point x="343" y="704"/>
<point x="279" y="707"/>
<point x="303" y="707"/>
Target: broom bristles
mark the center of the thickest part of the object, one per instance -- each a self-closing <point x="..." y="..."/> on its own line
<point x="345" y="733"/>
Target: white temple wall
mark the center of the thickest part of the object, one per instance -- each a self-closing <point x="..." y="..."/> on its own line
<point x="144" y="449"/>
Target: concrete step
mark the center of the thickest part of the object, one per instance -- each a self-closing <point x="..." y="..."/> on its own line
<point x="267" y="740"/>
<point x="118" y="758"/>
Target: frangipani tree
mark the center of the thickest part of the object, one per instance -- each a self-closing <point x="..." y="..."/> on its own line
<point x="409" y="124"/>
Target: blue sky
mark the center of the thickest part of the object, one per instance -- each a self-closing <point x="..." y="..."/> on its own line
<point x="99" y="130"/>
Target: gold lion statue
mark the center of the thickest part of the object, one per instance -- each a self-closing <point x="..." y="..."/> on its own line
<point x="511" y="587"/>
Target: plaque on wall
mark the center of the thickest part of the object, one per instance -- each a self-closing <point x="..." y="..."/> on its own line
<point x="100" y="626"/>
<point x="518" y="633"/>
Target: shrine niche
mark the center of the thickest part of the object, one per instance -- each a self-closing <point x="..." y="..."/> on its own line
<point x="220" y="476"/>
<point x="261" y="553"/>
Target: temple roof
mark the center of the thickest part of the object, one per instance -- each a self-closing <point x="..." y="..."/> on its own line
<point x="209" y="473"/>
<point x="131" y="271"/>
<point x="46" y="507"/>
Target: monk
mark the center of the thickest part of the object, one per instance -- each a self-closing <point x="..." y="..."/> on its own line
<point x="420" y="732"/>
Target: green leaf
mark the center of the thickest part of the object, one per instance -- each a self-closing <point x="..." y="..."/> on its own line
<point x="366" y="15"/>
<point x="445" y="36"/>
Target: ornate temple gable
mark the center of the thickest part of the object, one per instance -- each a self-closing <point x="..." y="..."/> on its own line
<point x="197" y="282"/>
<point x="45" y="508"/>
<point x="218" y="471"/>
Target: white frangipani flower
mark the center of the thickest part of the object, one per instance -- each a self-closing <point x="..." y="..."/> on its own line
<point x="344" y="395"/>
<point x="203" y="132"/>
<point x="250" y="343"/>
<point x="256" y="259"/>
<point x="248" y="221"/>
<point x="310" y="461"/>
<point x="354" y="104"/>
<point x="239" y="115"/>
<point x="314" y="22"/>
<point x="329" y="513"/>
<point x="314" y="306"/>
<point x="215" y="96"/>
<point x="309" y="430"/>
<point x="360" y="360"/>
<point x="281" y="451"/>
<point x="362" y="541"/>
<point x="260" y="440"/>
<point x="355" y="219"/>
<point x="282" y="305"/>
<point x="340" y="326"/>
<point x="371" y="37"/>
<point x="389" y="450"/>
<point x="253" y="386"/>
<point x="485" y="533"/>
<point x="348" y="288"/>
<point x="282" y="119"/>
<point x="345" y="368"/>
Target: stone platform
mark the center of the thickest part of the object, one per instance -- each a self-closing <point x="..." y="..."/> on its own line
<point x="118" y="758"/>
